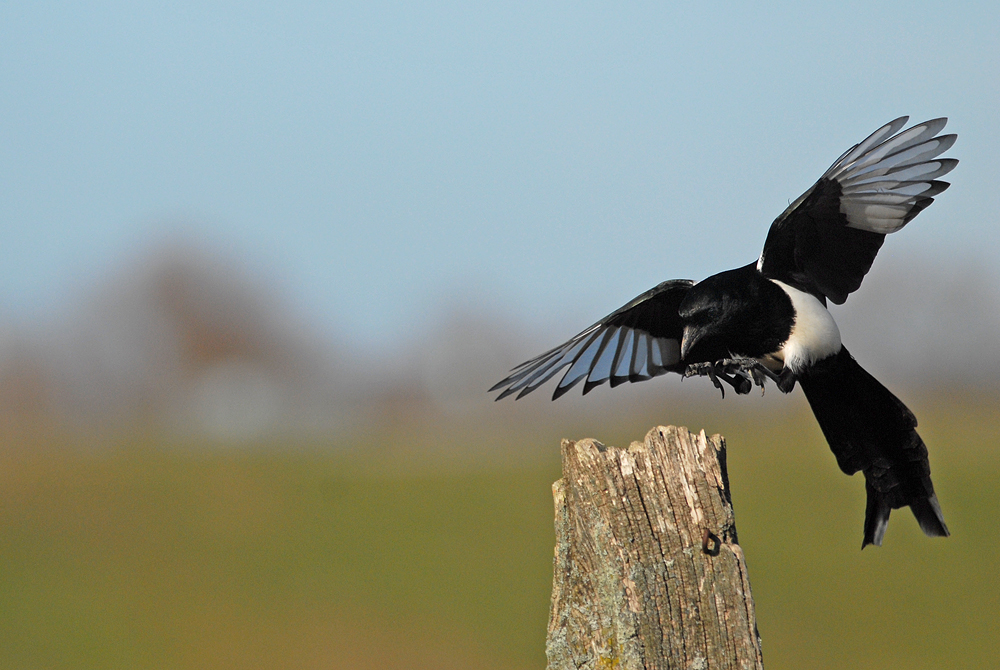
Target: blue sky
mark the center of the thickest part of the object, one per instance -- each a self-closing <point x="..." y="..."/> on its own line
<point x="543" y="161"/>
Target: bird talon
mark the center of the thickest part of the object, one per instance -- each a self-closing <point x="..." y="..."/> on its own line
<point x="714" y="376"/>
<point x="712" y="371"/>
<point x="737" y="373"/>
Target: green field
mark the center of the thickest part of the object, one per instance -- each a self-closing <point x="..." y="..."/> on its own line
<point x="413" y="550"/>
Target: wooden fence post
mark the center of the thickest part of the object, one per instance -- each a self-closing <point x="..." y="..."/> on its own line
<point x="648" y="572"/>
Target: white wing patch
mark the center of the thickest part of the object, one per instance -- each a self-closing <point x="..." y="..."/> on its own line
<point x="886" y="182"/>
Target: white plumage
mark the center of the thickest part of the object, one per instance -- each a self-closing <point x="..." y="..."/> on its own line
<point x="814" y="335"/>
<point x="885" y="180"/>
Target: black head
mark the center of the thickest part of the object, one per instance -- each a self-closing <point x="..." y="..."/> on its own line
<point x="734" y="313"/>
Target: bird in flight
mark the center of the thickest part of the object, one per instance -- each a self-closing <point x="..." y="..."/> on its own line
<point x="769" y="320"/>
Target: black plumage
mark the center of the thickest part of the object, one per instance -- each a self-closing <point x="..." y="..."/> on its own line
<point x="768" y="319"/>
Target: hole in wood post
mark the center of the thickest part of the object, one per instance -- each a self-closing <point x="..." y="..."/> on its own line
<point x="710" y="543"/>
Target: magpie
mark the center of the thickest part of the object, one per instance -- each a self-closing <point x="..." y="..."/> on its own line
<point x="769" y="320"/>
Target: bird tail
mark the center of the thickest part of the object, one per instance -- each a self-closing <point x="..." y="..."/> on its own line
<point x="870" y="429"/>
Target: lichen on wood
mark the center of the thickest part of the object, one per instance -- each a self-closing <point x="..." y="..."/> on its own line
<point x="647" y="571"/>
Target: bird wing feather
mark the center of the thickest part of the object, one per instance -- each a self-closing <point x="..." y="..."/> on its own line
<point x="827" y="240"/>
<point x="635" y="343"/>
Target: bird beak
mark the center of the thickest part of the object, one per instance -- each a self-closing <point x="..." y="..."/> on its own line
<point x="691" y="336"/>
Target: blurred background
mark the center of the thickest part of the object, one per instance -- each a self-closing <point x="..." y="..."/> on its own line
<point x="261" y="262"/>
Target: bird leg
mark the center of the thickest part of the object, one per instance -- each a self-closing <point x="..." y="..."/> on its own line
<point x="784" y="380"/>
<point x="719" y="372"/>
<point x="742" y="374"/>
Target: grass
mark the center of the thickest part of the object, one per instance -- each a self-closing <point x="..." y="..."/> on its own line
<point x="412" y="551"/>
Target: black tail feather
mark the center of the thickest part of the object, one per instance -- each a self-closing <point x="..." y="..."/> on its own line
<point x="928" y="513"/>
<point x="870" y="429"/>
<point x="877" y="510"/>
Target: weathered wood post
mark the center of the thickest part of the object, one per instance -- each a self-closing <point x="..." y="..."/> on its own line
<point x="648" y="573"/>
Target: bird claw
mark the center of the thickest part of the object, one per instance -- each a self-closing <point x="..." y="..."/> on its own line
<point x="710" y="370"/>
<point x="740" y="373"/>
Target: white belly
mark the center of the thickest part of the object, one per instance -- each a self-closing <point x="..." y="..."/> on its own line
<point x="814" y="336"/>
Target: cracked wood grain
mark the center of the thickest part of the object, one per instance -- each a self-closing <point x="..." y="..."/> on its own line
<point x="647" y="570"/>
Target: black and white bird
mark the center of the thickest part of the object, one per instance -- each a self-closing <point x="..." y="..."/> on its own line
<point x="769" y="320"/>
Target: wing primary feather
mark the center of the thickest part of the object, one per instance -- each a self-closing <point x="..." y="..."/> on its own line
<point x="904" y="173"/>
<point x="908" y="189"/>
<point x="528" y="366"/>
<point x="600" y="371"/>
<point x="583" y="363"/>
<point x="623" y="356"/>
<point x="637" y="366"/>
<point x="882" y="197"/>
<point x="864" y="145"/>
<point x="907" y="139"/>
<point x="650" y="365"/>
<point x="548" y="369"/>
<point x="918" y="206"/>
<point x="552" y="372"/>
<point x="527" y="377"/>
<point x="905" y="158"/>
<point x="917" y="134"/>
<point x="516" y="381"/>
<point x="528" y="369"/>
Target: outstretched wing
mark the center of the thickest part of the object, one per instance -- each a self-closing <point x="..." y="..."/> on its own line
<point x="637" y="342"/>
<point x="826" y="241"/>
